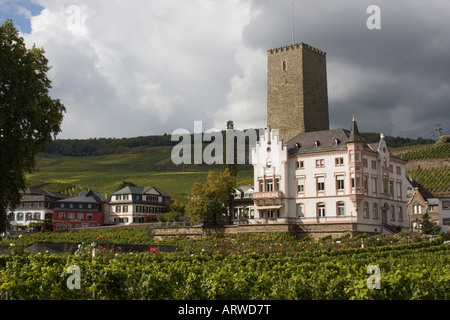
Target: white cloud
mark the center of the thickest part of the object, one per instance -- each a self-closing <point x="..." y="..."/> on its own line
<point x="24" y="12"/>
<point x="147" y="66"/>
<point x="140" y="67"/>
<point x="247" y="100"/>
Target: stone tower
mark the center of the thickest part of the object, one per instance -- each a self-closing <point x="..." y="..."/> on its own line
<point x="297" y="94"/>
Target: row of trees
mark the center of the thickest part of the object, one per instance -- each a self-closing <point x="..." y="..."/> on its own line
<point x="105" y="146"/>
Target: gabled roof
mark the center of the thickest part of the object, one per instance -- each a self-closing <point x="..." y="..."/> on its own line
<point x="85" y="197"/>
<point x="244" y="189"/>
<point x="129" y="190"/>
<point x="37" y="191"/>
<point x="139" y="190"/>
<point x="162" y="193"/>
<point x="420" y="191"/>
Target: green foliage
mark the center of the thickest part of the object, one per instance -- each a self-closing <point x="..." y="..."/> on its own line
<point x="427" y="227"/>
<point x="244" y="266"/>
<point x="106" y="174"/>
<point x="176" y="211"/>
<point x="435" y="180"/>
<point x="428" y="152"/>
<point x="107" y="146"/>
<point x="210" y="199"/>
<point x="29" y="118"/>
<point x="104" y="236"/>
<point x="396" y="142"/>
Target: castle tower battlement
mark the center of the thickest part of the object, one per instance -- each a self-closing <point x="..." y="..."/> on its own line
<point x="296" y="46"/>
<point x="297" y="92"/>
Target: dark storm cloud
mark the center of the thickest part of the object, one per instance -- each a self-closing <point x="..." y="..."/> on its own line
<point x="396" y="79"/>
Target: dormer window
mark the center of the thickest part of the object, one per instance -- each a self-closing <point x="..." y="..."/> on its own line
<point x="336" y="141"/>
<point x="316" y="143"/>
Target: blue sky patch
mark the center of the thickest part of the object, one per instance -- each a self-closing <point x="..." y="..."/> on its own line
<point x="20" y="12"/>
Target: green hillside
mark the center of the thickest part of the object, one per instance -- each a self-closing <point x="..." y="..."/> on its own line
<point x="424" y="152"/>
<point x="434" y="177"/>
<point x="146" y="161"/>
<point x="107" y="173"/>
<point x="435" y="180"/>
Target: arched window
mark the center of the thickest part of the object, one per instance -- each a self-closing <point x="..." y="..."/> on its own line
<point x="417" y="208"/>
<point x="284" y="65"/>
<point x="321" y="210"/>
<point x="269" y="163"/>
<point x="366" y="209"/>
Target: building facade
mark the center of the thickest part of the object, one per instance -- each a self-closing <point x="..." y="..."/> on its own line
<point x="420" y="202"/>
<point x="329" y="177"/>
<point x="87" y="210"/>
<point x="137" y="205"/>
<point x="242" y="203"/>
<point x="36" y="206"/>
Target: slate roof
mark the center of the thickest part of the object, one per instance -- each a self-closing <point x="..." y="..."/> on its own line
<point x="327" y="140"/>
<point x="355" y="136"/>
<point x="423" y="192"/>
<point x="139" y="190"/>
<point x="129" y="189"/>
<point x="85" y="197"/>
<point x="321" y="141"/>
<point x="38" y="191"/>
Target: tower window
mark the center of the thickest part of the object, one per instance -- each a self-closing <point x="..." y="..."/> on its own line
<point x="284" y="65"/>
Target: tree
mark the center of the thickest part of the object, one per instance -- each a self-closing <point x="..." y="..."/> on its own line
<point x="428" y="227"/>
<point x="175" y="211"/>
<point x="210" y="199"/>
<point x="29" y="117"/>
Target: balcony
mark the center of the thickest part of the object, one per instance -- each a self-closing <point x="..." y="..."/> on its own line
<point x="267" y="195"/>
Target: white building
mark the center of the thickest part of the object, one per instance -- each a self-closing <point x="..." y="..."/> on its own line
<point x="332" y="178"/>
<point x="36" y="205"/>
<point x="242" y="204"/>
<point x="137" y="205"/>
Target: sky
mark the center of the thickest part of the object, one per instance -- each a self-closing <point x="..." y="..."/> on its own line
<point x="148" y="67"/>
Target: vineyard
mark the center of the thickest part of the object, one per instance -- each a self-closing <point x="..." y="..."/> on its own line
<point x="254" y="266"/>
<point x="426" y="152"/>
<point x="106" y="174"/>
<point x="435" y="180"/>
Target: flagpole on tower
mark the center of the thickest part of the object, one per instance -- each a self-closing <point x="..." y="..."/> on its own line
<point x="293" y="22"/>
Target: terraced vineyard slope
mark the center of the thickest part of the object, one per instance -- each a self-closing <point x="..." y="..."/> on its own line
<point x="429" y="165"/>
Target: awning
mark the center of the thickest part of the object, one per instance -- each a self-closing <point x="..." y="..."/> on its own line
<point x="267" y="207"/>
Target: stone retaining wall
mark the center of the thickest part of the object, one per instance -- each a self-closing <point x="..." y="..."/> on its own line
<point x="314" y="230"/>
<point x="317" y="230"/>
